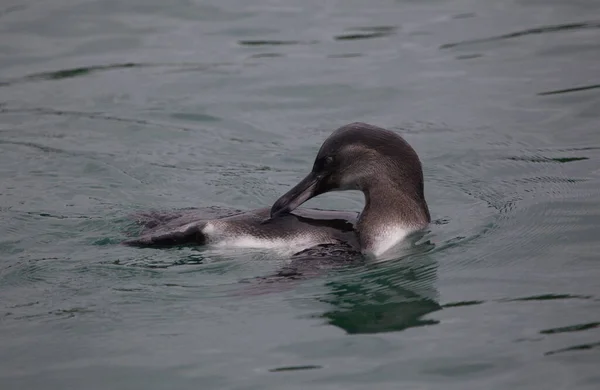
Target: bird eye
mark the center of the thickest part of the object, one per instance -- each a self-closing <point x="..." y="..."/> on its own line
<point x="322" y="163"/>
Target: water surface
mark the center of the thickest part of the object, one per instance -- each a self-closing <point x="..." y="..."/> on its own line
<point x="111" y="107"/>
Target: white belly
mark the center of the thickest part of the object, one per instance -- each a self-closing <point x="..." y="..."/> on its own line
<point x="387" y="238"/>
<point x="294" y="243"/>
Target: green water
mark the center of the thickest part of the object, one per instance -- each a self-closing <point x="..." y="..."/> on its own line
<point x="111" y="107"/>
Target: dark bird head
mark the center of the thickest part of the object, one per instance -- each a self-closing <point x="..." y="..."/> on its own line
<point x="357" y="157"/>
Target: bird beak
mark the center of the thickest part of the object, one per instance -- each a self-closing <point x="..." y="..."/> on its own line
<point x="303" y="191"/>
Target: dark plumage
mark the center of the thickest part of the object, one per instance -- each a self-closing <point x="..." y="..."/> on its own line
<point x="357" y="156"/>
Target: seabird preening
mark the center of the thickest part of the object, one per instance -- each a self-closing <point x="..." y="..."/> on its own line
<point x="358" y="156"/>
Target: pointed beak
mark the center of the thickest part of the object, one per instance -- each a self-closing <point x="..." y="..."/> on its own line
<point x="303" y="191"/>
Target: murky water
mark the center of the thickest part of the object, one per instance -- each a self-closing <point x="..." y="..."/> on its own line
<point x="109" y="107"/>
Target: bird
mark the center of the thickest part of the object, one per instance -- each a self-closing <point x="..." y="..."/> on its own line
<point x="358" y="156"/>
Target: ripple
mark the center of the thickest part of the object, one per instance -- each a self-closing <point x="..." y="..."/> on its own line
<point x="367" y="33"/>
<point x="464" y="15"/>
<point x="542" y="159"/>
<point x="76" y="72"/>
<point x="549" y="179"/>
<point x="462" y="303"/>
<point x="469" y="56"/>
<point x="28" y="304"/>
<point x="388" y="297"/>
<point x="580" y="347"/>
<point x="43" y="148"/>
<point x="195" y="117"/>
<point x="70" y="73"/>
<point x="273" y="42"/>
<point x="569" y="90"/>
<point x="30" y="272"/>
<point x="346" y="55"/>
<point x="530" y="31"/>
<point x="295" y="368"/>
<point x="96" y="157"/>
<point x="159" y="260"/>
<point x="58" y="314"/>
<point x="11" y="9"/>
<point x="572" y="328"/>
<point x="88" y="115"/>
<point x="72" y="312"/>
<point x="516" y="218"/>
<point x="267" y="55"/>
<point x="462" y="369"/>
<point x="549" y="297"/>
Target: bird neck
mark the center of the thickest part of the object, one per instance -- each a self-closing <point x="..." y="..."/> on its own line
<point x="390" y="212"/>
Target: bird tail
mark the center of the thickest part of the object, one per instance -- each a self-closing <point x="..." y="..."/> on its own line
<point x="190" y="234"/>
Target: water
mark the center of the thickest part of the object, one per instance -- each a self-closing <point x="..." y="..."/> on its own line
<point x="109" y="107"/>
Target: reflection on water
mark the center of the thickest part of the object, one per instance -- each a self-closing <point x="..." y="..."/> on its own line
<point x="385" y="297"/>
